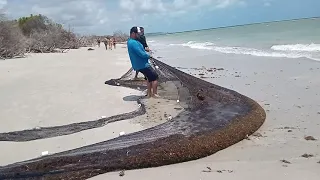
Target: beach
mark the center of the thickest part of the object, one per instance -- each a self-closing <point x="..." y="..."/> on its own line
<point x="46" y="90"/>
<point x="289" y="92"/>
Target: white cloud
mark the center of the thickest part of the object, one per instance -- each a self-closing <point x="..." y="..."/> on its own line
<point x="105" y="15"/>
<point x="180" y="4"/>
<point x="3" y="3"/>
<point x="127" y="5"/>
<point x="144" y="6"/>
<point x="173" y="6"/>
<point x="267" y="3"/>
<point x="79" y="14"/>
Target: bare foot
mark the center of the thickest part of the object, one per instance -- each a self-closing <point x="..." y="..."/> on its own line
<point x="156" y="96"/>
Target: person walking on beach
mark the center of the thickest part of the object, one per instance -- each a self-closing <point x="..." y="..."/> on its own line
<point x="140" y="62"/>
<point x="105" y="41"/>
<point x="114" y="42"/>
<point x="110" y="43"/>
<point x="98" y="41"/>
<point x="143" y="41"/>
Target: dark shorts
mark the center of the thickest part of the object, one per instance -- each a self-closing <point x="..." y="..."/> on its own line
<point x="149" y="73"/>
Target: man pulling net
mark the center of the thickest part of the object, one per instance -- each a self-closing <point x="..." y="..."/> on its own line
<point x="140" y="62"/>
<point x="143" y="41"/>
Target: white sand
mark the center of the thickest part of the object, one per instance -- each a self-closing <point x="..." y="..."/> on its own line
<point x="66" y="88"/>
<point x="58" y="89"/>
<point x="292" y="88"/>
<point x="12" y="152"/>
<point x="45" y="90"/>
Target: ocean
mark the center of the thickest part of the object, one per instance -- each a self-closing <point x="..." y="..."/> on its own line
<point x="282" y="39"/>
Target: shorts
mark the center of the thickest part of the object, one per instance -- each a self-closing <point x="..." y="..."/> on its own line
<point x="149" y="73"/>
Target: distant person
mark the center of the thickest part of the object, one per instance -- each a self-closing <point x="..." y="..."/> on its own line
<point x="143" y="41"/>
<point x="140" y="62"/>
<point x="110" y="43"/>
<point x="98" y="41"/>
<point x="105" y="41"/>
<point x="114" y="43"/>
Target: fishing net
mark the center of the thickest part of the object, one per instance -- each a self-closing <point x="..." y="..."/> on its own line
<point x="170" y="86"/>
<point x="212" y="119"/>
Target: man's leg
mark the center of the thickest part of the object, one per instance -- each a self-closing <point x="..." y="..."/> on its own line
<point x="152" y="78"/>
<point x="149" y="92"/>
<point x="155" y="88"/>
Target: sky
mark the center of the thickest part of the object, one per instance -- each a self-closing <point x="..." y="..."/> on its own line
<point x="103" y="17"/>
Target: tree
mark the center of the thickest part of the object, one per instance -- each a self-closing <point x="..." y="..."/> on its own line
<point x="120" y="36"/>
<point x="33" y="23"/>
<point x="12" y="41"/>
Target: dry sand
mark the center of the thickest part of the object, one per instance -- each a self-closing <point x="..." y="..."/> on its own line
<point x="46" y="90"/>
<point x="57" y="89"/>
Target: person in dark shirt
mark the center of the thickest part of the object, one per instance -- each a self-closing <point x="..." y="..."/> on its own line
<point x="143" y="41"/>
<point x="98" y="41"/>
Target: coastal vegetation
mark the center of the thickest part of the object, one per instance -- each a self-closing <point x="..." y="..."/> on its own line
<point x="40" y="34"/>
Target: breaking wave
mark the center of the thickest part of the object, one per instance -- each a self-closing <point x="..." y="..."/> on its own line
<point x="297" y="47"/>
<point x="280" y="51"/>
<point x="195" y="45"/>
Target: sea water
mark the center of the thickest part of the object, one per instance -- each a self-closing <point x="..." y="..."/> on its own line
<point x="283" y="39"/>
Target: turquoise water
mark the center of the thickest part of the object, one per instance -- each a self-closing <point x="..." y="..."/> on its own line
<point x="287" y="39"/>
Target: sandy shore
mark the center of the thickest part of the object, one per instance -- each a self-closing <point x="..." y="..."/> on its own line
<point x="58" y="89"/>
<point x="288" y="89"/>
<point x="47" y="90"/>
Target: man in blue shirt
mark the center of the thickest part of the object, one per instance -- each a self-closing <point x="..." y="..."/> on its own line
<point x="140" y="62"/>
<point x="143" y="41"/>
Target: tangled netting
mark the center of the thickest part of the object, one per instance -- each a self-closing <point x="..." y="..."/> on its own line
<point x="213" y="118"/>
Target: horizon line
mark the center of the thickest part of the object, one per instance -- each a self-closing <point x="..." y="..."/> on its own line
<point x="223" y="27"/>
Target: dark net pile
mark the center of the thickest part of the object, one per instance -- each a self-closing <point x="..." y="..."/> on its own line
<point x="213" y="119"/>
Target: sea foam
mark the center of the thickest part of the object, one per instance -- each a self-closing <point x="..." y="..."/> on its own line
<point x="280" y="51"/>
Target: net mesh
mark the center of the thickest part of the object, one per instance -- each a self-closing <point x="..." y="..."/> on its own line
<point x="170" y="86"/>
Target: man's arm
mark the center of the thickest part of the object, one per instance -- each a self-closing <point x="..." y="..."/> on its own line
<point x="140" y="51"/>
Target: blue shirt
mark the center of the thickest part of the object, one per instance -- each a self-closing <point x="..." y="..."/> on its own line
<point x="138" y="56"/>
